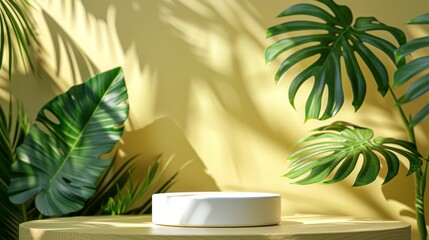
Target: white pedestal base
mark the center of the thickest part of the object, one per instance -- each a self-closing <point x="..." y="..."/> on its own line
<point x="216" y="209"/>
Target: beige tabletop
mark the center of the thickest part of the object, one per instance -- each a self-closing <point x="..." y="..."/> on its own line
<point x="301" y="227"/>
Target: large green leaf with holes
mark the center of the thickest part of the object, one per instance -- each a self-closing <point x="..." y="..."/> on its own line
<point x="333" y="151"/>
<point x="61" y="159"/>
<point x="320" y="42"/>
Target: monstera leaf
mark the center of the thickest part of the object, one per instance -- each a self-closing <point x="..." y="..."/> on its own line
<point x="328" y="39"/>
<point x="60" y="160"/>
<point x="412" y="71"/>
<point x="339" y="146"/>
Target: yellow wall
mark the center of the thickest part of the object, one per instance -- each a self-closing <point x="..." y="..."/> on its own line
<point x="199" y="89"/>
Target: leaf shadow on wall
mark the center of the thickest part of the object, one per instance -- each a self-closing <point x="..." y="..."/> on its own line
<point x="186" y="19"/>
<point x="174" y="40"/>
<point x="82" y="67"/>
<point x="166" y="39"/>
<point x="38" y="87"/>
<point x="78" y="63"/>
<point x="184" y="69"/>
<point x="163" y="137"/>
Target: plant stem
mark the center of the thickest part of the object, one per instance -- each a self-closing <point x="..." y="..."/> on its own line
<point x="419" y="175"/>
<point x="24" y="213"/>
<point x="410" y="130"/>
<point x="420" y="179"/>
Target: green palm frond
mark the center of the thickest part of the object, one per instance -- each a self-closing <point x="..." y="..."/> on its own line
<point x="16" y="30"/>
<point x="61" y="158"/>
<point x="416" y="71"/>
<point x="338" y="148"/>
<point x="128" y="198"/>
<point x="331" y="38"/>
<point x="107" y="186"/>
<point x="13" y="128"/>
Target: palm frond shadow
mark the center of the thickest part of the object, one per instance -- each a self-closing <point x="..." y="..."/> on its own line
<point x="69" y="59"/>
<point x="157" y="39"/>
<point x="149" y="14"/>
<point x="66" y="49"/>
<point x="237" y="80"/>
<point x="79" y="62"/>
<point x="165" y="137"/>
<point x="178" y="29"/>
<point x="160" y="27"/>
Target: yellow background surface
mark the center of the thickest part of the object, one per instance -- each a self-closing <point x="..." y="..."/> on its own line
<point x="199" y="89"/>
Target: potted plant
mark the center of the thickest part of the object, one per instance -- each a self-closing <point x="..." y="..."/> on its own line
<point x="332" y="35"/>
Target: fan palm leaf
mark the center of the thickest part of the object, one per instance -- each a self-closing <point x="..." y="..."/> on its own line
<point x="415" y="70"/>
<point x="338" y="148"/>
<point x="331" y="38"/>
<point x="60" y="160"/>
<point x="13" y="128"/>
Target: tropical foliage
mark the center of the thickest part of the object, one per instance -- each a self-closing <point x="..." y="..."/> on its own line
<point x="333" y="36"/>
<point x="127" y="198"/>
<point x="340" y="39"/>
<point x="407" y="73"/>
<point x="60" y="168"/>
<point x="60" y="164"/>
<point x="13" y="128"/>
<point x="341" y="144"/>
<point x="16" y="32"/>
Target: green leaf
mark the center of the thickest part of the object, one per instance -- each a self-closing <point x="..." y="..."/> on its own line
<point x="415" y="74"/>
<point x="364" y="24"/>
<point x="422" y="115"/>
<point x="60" y="162"/>
<point x="16" y="25"/>
<point x="422" y="19"/>
<point x="311" y="10"/>
<point x="415" y="90"/>
<point x="347" y="167"/>
<point x="340" y="39"/>
<point x="356" y="77"/>
<point x="298" y="26"/>
<point x="369" y="171"/>
<point x="375" y="65"/>
<point x="285" y="44"/>
<point x="408" y="71"/>
<point x="343" y="144"/>
<point x="298" y="56"/>
<point x="411" y="46"/>
<point x="13" y="128"/>
<point x="107" y="185"/>
<point x="392" y="163"/>
<point x="128" y="202"/>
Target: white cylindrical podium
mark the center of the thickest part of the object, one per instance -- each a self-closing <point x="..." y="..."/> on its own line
<point x="216" y="209"/>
